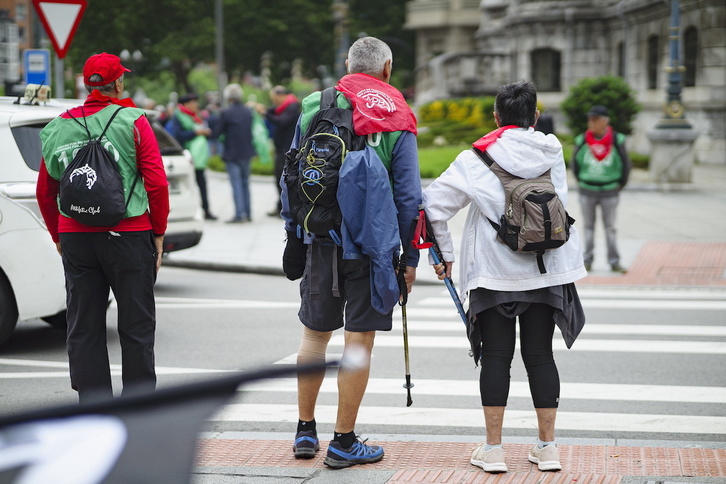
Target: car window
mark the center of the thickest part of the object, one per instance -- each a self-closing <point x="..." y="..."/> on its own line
<point x="28" y="140"/>
<point x="167" y="144"/>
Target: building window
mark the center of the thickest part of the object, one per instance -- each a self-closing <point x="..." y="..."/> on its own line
<point x="621" y="59"/>
<point x="546" y="69"/>
<point x="652" y="59"/>
<point x="690" y="54"/>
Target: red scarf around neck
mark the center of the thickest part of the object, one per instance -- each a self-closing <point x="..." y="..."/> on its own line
<point x="289" y="99"/>
<point x="97" y="96"/>
<point x="194" y="115"/>
<point x="600" y="148"/>
<point x="489" y="138"/>
<point x="377" y="106"/>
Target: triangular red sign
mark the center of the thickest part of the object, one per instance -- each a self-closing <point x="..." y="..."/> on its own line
<point x="60" y="19"/>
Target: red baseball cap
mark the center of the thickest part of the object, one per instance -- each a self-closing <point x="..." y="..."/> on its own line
<point x="108" y="66"/>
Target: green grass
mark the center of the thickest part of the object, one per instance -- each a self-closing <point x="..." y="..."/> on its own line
<point x="433" y="161"/>
<point x="258" y="168"/>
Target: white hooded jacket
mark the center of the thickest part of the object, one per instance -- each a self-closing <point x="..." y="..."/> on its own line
<point x="486" y="262"/>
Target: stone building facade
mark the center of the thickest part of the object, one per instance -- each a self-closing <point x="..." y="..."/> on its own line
<point x="471" y="47"/>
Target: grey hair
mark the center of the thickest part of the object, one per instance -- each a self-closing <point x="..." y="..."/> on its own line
<point x="233" y="92"/>
<point x="105" y="88"/>
<point x="368" y="55"/>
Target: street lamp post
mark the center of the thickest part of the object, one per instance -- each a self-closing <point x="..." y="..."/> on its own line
<point x="672" y="154"/>
<point x="340" y="10"/>
<point x="219" y="48"/>
<point x="674" y="113"/>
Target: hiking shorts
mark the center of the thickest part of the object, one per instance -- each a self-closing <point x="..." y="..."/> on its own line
<point x="328" y="302"/>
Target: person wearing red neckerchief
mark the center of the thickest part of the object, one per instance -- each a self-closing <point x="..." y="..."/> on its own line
<point x="283" y="116"/>
<point x="336" y="287"/>
<point x="125" y="257"/>
<point x="503" y="286"/>
<point x="191" y="131"/>
<point x="601" y="165"/>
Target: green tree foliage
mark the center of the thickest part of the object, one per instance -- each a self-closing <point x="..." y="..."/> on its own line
<point x="609" y="91"/>
<point x="176" y="35"/>
<point x="172" y="35"/>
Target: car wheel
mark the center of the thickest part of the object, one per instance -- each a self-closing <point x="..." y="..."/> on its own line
<point x="8" y="309"/>
<point x="58" y="321"/>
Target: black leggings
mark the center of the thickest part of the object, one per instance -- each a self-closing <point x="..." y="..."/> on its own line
<point x="498" y="332"/>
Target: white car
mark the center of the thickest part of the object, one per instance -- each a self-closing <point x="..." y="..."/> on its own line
<point x="32" y="284"/>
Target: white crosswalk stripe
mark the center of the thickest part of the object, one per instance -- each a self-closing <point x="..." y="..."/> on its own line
<point x="457" y="417"/>
<point x="434" y="324"/>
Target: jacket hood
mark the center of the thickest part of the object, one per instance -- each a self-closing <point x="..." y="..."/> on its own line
<point x="526" y="153"/>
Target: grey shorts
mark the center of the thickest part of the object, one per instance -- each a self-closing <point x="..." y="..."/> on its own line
<point x="321" y="309"/>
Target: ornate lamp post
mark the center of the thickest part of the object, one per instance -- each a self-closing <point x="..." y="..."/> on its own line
<point x="674" y="113"/>
<point x="672" y="154"/>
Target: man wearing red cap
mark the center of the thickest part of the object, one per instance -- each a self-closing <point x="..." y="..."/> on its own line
<point x="124" y="257"/>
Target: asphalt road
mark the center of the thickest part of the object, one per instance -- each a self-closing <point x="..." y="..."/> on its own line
<point x="649" y="364"/>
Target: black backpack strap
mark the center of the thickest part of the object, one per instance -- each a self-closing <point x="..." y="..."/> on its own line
<point x="327" y="98"/>
<point x="540" y="262"/>
<point x="84" y="124"/>
<point x="484" y="156"/>
<point x="109" y="122"/>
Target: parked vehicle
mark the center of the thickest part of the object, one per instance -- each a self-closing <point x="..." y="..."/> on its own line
<point x="31" y="273"/>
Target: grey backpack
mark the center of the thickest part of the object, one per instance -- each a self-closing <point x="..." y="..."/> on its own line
<point x="534" y="218"/>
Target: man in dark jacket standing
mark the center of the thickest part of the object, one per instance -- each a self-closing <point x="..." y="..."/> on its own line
<point x="235" y="123"/>
<point x="283" y="116"/>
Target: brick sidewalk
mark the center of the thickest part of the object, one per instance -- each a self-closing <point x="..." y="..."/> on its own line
<point x="672" y="264"/>
<point x="448" y="462"/>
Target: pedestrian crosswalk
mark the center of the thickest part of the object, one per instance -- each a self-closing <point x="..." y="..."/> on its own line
<point x="660" y="326"/>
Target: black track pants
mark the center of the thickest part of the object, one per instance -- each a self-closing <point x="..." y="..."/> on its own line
<point x="125" y="263"/>
<point x="536" y="327"/>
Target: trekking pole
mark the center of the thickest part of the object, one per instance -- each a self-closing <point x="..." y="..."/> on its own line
<point x="402" y="302"/>
<point x="438" y="258"/>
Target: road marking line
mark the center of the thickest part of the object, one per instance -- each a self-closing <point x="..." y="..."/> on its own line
<point x="470" y="388"/>
<point x="115" y="369"/>
<point x="192" y="303"/>
<point x="458" y="417"/>
<point x="611" y="329"/>
<point x="582" y="344"/>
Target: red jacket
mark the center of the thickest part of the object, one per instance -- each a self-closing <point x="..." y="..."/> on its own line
<point x="151" y="168"/>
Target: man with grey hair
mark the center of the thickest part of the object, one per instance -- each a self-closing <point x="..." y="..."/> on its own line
<point x="336" y="288"/>
<point x="235" y="123"/>
<point x="124" y="257"/>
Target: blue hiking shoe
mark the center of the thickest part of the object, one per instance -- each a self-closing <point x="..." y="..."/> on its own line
<point x="306" y="444"/>
<point x="358" y="453"/>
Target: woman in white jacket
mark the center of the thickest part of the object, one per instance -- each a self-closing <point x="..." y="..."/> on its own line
<point x="501" y="284"/>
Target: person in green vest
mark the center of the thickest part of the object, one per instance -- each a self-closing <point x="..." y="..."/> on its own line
<point x="125" y="257"/>
<point x="192" y="133"/>
<point x="601" y="166"/>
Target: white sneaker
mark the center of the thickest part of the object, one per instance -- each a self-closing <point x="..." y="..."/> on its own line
<point x="547" y="458"/>
<point x="490" y="461"/>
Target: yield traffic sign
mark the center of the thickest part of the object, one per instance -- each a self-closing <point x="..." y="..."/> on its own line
<point x="60" y="19"/>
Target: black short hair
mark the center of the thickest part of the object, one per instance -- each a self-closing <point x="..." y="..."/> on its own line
<point x="516" y="104"/>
